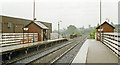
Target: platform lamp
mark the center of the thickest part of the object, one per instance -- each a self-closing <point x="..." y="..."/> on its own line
<point x="59" y="28"/>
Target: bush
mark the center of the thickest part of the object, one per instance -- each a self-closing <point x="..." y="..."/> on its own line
<point x="92" y="35"/>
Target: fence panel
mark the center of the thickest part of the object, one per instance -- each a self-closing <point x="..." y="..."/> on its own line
<point x="17" y="38"/>
<point x="112" y="40"/>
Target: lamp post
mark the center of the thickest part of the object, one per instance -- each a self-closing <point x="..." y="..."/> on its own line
<point x="59" y="29"/>
<point x="33" y="18"/>
<point x="100" y="20"/>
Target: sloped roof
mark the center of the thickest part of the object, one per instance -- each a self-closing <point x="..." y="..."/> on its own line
<point x="39" y="24"/>
<point x="106" y="23"/>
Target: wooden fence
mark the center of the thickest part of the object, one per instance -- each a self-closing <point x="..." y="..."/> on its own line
<point x="112" y="41"/>
<point x="17" y="38"/>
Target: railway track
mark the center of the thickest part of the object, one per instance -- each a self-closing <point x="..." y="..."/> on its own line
<point x="54" y="56"/>
<point x="33" y="53"/>
<point x="69" y="56"/>
<point x="51" y="55"/>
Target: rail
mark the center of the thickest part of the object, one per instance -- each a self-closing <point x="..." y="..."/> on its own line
<point x="112" y="40"/>
<point x="17" y="38"/>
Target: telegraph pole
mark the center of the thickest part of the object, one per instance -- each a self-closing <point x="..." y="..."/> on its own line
<point x="33" y="18"/>
<point x="100" y="20"/>
<point x="59" y="29"/>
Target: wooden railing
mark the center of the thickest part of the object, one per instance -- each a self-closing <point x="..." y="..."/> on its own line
<point x="17" y="38"/>
<point x="112" y="40"/>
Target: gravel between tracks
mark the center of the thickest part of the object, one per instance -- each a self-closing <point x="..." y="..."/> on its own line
<point x="50" y="57"/>
<point x="68" y="58"/>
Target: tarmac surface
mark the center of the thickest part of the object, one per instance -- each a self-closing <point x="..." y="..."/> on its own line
<point x="99" y="53"/>
<point x="93" y="51"/>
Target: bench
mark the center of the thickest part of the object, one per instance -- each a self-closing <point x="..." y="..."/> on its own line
<point x="27" y="40"/>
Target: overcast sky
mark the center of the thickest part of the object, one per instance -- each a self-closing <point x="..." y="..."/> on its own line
<point x="76" y="12"/>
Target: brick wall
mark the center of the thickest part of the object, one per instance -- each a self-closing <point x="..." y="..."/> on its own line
<point x="36" y="29"/>
<point x="16" y="24"/>
<point x="106" y="28"/>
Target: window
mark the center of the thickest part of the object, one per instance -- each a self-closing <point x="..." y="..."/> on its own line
<point x="9" y="25"/>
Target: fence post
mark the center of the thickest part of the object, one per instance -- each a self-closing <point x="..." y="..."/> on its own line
<point x="1" y="38"/>
<point x="28" y="38"/>
<point x="23" y="37"/>
<point x="23" y="33"/>
<point x="102" y="37"/>
<point x="118" y="46"/>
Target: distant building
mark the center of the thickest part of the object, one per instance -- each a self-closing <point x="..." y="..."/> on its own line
<point x="16" y="25"/>
<point x="55" y="36"/>
<point x="105" y="28"/>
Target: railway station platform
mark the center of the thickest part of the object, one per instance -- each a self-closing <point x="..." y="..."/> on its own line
<point x="93" y="51"/>
<point x="28" y="45"/>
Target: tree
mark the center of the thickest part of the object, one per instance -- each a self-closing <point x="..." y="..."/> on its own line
<point x="93" y="33"/>
<point x="98" y="25"/>
<point x="55" y="31"/>
<point x="71" y="29"/>
<point x="89" y="26"/>
<point x="83" y="27"/>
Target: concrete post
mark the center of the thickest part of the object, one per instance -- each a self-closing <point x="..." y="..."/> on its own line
<point x="0" y="36"/>
<point x="119" y="24"/>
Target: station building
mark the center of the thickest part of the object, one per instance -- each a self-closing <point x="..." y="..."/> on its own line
<point x="37" y="27"/>
<point x="105" y="28"/>
<point x="16" y="25"/>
